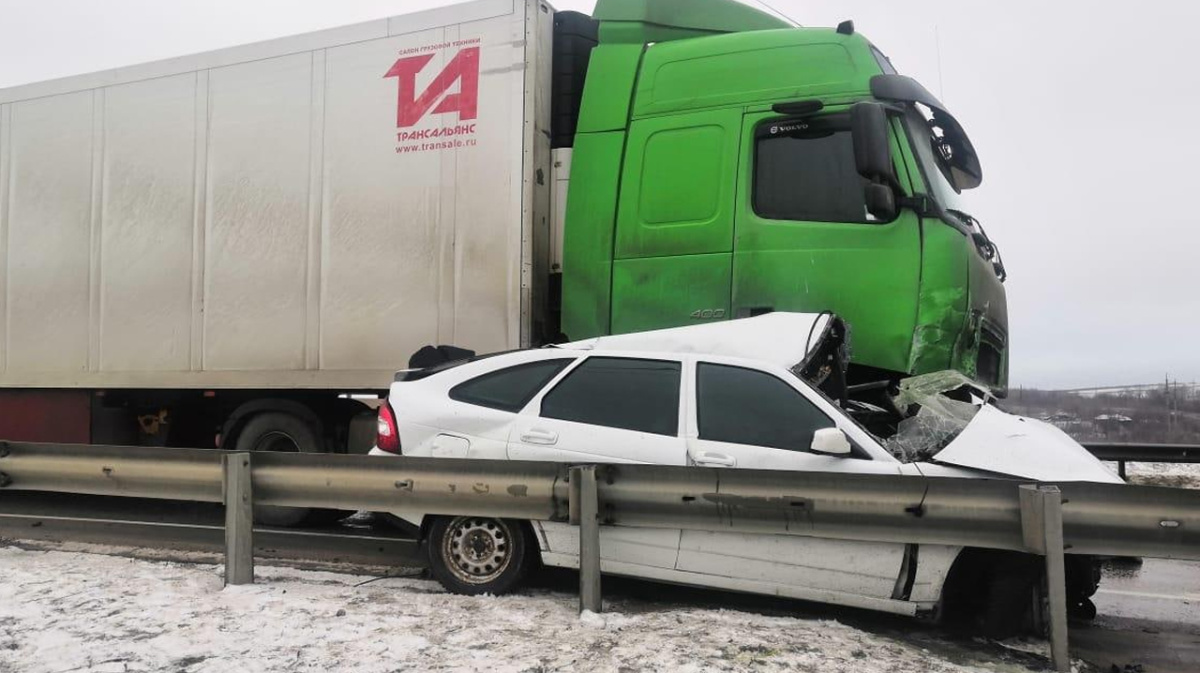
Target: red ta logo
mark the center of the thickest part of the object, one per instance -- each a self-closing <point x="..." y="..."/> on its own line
<point x="463" y="68"/>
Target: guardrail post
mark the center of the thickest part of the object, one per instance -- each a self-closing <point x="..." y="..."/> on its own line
<point x="587" y="504"/>
<point x="239" y="519"/>
<point x="1041" y="528"/>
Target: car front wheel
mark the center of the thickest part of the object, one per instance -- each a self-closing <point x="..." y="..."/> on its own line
<point x="477" y="555"/>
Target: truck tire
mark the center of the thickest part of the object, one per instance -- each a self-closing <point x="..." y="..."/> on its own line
<point x="474" y="555"/>
<point x="278" y="431"/>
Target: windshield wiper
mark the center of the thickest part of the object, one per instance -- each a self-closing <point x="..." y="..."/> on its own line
<point x="986" y="247"/>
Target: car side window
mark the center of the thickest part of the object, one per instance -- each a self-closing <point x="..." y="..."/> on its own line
<point x="508" y="389"/>
<point x="745" y="406"/>
<point x="626" y="393"/>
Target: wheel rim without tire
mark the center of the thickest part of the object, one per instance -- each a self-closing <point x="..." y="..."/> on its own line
<point x="477" y="550"/>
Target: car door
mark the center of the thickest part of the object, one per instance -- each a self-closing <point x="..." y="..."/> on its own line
<point x="754" y="419"/>
<point x="608" y="410"/>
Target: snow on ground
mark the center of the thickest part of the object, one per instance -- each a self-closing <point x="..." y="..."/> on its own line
<point x="1176" y="475"/>
<point x="70" y="611"/>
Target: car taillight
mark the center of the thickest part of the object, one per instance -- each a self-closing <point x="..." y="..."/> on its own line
<point x="387" y="436"/>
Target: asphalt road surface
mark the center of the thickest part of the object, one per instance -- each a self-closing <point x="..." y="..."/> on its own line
<point x="1149" y="612"/>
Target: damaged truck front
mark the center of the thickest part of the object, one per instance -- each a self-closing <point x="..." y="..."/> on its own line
<point x="757" y="166"/>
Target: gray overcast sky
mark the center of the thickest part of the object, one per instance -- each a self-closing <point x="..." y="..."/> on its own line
<point x="1082" y="113"/>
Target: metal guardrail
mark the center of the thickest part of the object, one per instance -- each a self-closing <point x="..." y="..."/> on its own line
<point x="1143" y="453"/>
<point x="1072" y="517"/>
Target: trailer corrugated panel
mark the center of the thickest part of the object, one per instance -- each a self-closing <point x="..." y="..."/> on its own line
<point x="305" y="212"/>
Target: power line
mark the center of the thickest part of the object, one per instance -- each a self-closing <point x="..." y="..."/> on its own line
<point x="778" y="13"/>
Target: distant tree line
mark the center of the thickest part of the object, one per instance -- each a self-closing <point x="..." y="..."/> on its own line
<point x="1168" y="413"/>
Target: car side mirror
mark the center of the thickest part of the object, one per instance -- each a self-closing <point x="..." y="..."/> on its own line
<point x="830" y="442"/>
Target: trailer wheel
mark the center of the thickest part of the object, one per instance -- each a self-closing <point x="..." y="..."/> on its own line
<point x="478" y="555"/>
<point x="278" y="431"/>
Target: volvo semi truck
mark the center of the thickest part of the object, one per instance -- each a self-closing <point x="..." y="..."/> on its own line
<point x="225" y="249"/>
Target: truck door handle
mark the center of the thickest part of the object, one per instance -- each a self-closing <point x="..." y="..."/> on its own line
<point x="711" y="459"/>
<point x="539" y="436"/>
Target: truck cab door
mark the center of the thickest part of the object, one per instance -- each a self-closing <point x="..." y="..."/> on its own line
<point x="672" y="254"/>
<point x="805" y="242"/>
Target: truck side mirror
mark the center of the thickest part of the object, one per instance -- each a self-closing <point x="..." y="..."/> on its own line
<point x="873" y="158"/>
<point x="881" y="202"/>
<point x="872" y="151"/>
<point x="830" y="442"/>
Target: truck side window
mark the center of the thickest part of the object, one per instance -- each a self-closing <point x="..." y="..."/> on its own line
<point x="744" y="406"/>
<point x="626" y="393"/>
<point x="508" y="389"/>
<point x="807" y="175"/>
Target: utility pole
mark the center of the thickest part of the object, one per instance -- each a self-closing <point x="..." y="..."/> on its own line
<point x="1167" y="402"/>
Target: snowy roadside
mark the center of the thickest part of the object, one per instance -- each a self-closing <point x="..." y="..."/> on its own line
<point x="1175" y="475"/>
<point x="74" y="611"/>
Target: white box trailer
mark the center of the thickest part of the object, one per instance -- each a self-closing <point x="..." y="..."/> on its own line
<point x="303" y="213"/>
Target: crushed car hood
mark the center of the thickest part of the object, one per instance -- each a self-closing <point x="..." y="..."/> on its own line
<point x="1002" y="443"/>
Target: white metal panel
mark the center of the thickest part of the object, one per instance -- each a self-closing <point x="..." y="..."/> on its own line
<point x="781" y="338"/>
<point x="256" y="238"/>
<point x="316" y="192"/>
<point x="145" y="302"/>
<point x="447" y="16"/>
<point x="417" y="227"/>
<point x="380" y="220"/>
<point x="637" y="547"/>
<point x="292" y="44"/>
<point x="1024" y="447"/>
<point x="535" y="253"/>
<point x="489" y="217"/>
<point x="199" y="220"/>
<point x="843" y="566"/>
<point x="49" y="234"/>
<point x="243" y="219"/>
<point x="850" y="599"/>
<point x="5" y="155"/>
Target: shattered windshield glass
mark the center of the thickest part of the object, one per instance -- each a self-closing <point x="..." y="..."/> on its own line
<point x="937" y="407"/>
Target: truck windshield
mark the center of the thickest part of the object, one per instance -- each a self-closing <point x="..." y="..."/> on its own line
<point x="934" y="167"/>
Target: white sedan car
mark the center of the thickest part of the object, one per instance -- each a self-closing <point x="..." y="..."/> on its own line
<point x="731" y="395"/>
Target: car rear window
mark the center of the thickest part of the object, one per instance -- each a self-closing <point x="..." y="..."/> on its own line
<point x="508" y="389"/>
<point x="626" y="393"/>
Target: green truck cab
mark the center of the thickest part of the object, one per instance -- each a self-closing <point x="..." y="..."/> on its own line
<point x="727" y="164"/>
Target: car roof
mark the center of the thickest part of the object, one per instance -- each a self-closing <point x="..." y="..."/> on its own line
<point x="781" y="338"/>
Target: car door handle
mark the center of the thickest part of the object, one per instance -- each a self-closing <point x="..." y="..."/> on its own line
<point x="712" y="459"/>
<point x="539" y="436"/>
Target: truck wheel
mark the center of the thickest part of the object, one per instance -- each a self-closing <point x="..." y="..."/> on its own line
<point x="278" y="431"/>
<point x="476" y="555"/>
